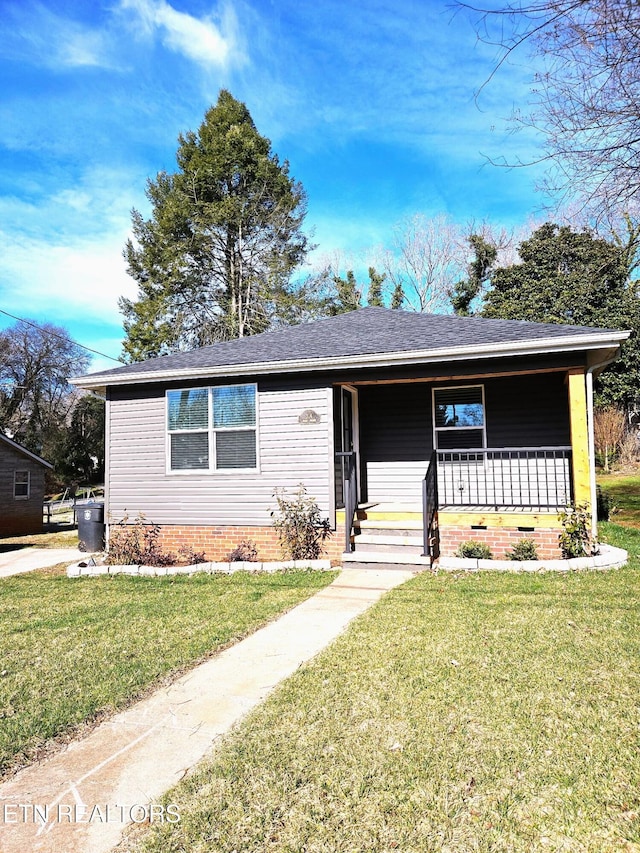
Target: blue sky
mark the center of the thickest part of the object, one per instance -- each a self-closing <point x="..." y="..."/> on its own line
<point x="372" y="102"/>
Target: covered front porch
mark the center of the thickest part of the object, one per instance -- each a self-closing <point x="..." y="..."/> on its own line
<point x="424" y="465"/>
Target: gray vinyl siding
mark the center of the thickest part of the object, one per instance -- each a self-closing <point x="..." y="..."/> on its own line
<point x="527" y="411"/>
<point x="289" y="453"/>
<point x="395" y="441"/>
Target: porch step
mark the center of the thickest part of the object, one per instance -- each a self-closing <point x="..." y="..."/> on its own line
<point x="394" y="516"/>
<point x="394" y="558"/>
<point x="405" y="527"/>
<point x="385" y="541"/>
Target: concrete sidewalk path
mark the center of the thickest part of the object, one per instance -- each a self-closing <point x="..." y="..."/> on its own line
<point x="28" y="559"/>
<point x="131" y="759"/>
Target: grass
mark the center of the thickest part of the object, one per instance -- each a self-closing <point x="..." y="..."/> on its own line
<point x="624" y="492"/>
<point x="53" y="538"/>
<point x="72" y="650"/>
<point x="478" y="712"/>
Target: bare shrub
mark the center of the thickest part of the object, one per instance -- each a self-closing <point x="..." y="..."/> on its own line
<point x="299" y="524"/>
<point x="629" y="450"/>
<point x="136" y="545"/>
<point x="189" y="556"/>
<point x="245" y="551"/>
<point x="609" y="427"/>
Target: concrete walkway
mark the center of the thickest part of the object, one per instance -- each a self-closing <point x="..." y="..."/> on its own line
<point x="28" y="559"/>
<point x="133" y="758"/>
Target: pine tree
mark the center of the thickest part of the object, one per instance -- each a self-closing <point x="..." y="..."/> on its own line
<point x="214" y="260"/>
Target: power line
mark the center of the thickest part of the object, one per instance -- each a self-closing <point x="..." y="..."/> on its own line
<point x="62" y="337"/>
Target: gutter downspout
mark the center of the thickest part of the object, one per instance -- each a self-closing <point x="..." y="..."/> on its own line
<point x="592" y="442"/>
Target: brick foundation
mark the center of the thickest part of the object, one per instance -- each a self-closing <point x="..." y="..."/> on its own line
<point x="500" y="540"/>
<point x="218" y="541"/>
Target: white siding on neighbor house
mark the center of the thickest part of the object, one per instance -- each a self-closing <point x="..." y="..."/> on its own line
<point x="289" y="453"/>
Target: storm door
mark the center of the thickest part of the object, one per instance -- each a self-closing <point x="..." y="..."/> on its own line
<point x="346" y="437"/>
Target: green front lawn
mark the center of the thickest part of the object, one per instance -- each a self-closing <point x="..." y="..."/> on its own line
<point x="478" y="712"/>
<point x="624" y="493"/>
<point x="71" y="650"/>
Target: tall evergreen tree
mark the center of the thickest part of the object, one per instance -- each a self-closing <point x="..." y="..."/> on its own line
<point x="214" y="260"/>
<point x="397" y="297"/>
<point x="478" y="273"/>
<point x="79" y="454"/>
<point x="376" y="280"/>
<point x="348" y="294"/>
<point x="573" y="277"/>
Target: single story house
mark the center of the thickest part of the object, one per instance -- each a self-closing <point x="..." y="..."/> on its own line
<point x="414" y="432"/>
<point x="21" y="488"/>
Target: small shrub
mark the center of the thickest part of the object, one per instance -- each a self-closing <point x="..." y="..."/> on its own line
<point x="137" y="545"/>
<point x="575" y="537"/>
<point x="472" y="550"/>
<point x="629" y="450"/>
<point x="301" y="528"/>
<point x="524" y="549"/>
<point x="244" y="552"/>
<point x="190" y="557"/>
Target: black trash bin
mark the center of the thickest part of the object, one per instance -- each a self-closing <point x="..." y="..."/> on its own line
<point x="90" y="527"/>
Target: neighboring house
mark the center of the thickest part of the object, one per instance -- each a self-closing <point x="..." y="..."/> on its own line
<point x="21" y="489"/>
<point x="443" y="429"/>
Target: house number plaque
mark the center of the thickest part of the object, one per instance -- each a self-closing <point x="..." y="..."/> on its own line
<point x="309" y="417"/>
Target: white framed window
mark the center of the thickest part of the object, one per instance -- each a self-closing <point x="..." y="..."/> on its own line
<point x="459" y="417"/>
<point x="212" y="429"/>
<point x="21" y="485"/>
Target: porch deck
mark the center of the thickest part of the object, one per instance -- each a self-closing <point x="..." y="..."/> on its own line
<point x="397" y="512"/>
<point x="471" y="488"/>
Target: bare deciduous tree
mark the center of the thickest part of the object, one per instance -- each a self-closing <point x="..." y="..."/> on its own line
<point x="609" y="427"/>
<point x="427" y="258"/>
<point x="585" y="95"/>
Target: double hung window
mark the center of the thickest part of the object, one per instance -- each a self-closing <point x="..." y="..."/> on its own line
<point x="459" y="417"/>
<point x="212" y="429"/>
<point x="21" y="485"/>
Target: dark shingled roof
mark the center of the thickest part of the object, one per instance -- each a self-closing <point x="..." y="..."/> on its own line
<point x="367" y="331"/>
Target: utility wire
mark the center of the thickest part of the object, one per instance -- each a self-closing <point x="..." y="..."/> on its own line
<point x="62" y="337"/>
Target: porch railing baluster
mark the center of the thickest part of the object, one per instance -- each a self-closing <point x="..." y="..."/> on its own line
<point x="349" y="494"/>
<point x="430" y="539"/>
<point x="538" y="478"/>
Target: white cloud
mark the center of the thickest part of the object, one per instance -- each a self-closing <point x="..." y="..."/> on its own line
<point x="200" y="39"/>
<point x="71" y="281"/>
<point x="35" y="34"/>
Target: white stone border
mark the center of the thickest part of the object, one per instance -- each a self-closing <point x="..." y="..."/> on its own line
<point x="608" y="557"/>
<point x="81" y="569"/>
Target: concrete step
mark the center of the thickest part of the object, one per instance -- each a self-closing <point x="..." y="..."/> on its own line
<point x="394" y="558"/>
<point x="396" y="539"/>
<point x="374" y="548"/>
<point x="402" y="528"/>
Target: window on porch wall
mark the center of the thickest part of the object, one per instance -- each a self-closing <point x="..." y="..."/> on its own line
<point x="501" y="478"/>
<point x="459" y="420"/>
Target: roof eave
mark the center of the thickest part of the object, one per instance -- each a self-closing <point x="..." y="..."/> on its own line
<point x="23" y="450"/>
<point x="566" y="343"/>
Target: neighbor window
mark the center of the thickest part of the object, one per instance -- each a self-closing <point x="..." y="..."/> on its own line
<point x="212" y="429"/>
<point x="21" y="485"/>
<point x="458" y="416"/>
